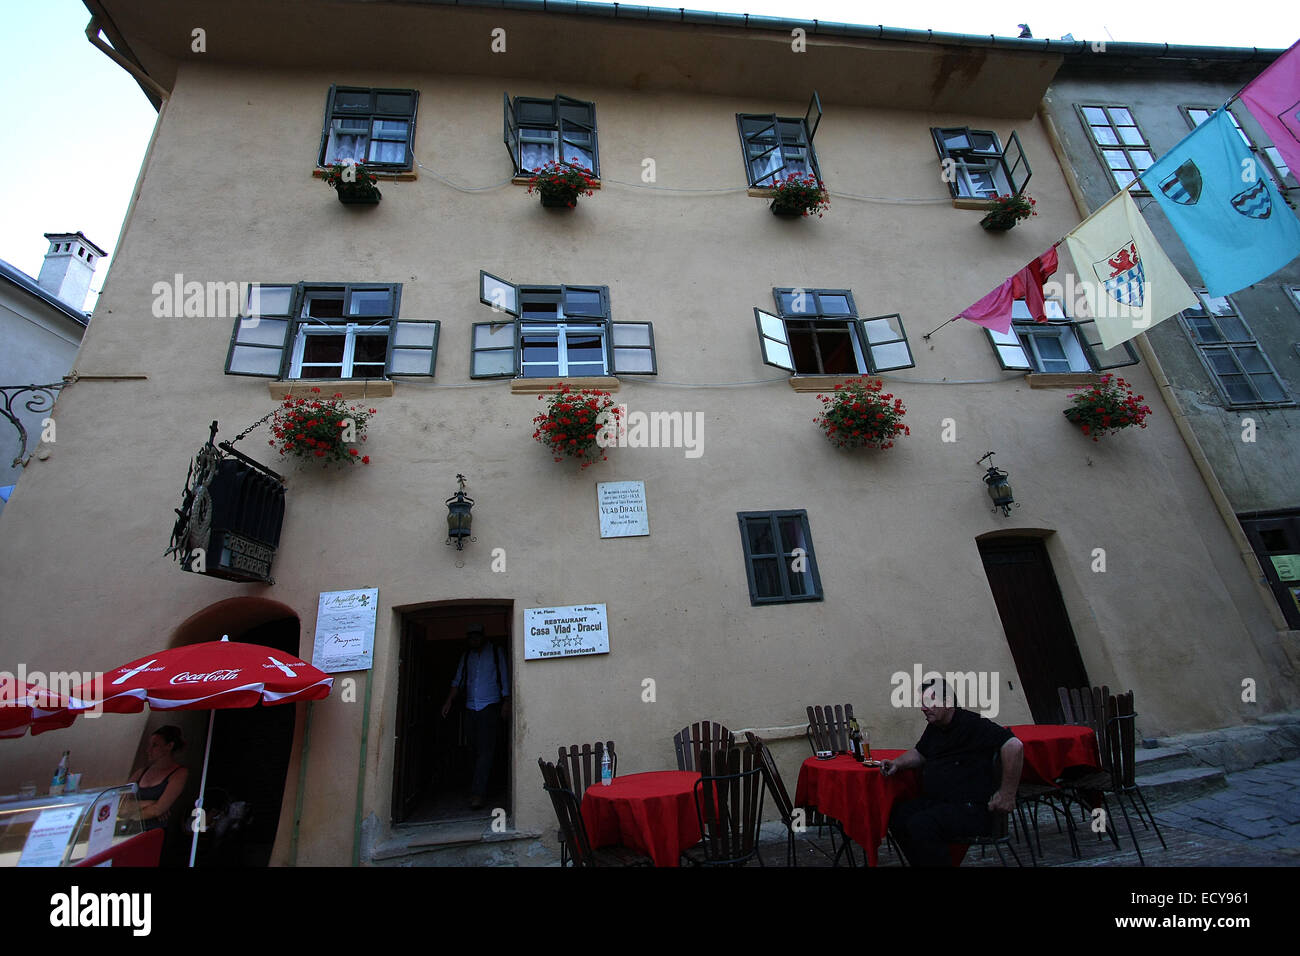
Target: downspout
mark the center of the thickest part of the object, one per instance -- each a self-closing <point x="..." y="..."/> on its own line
<point x="302" y="785"/>
<point x="361" y="769"/>
<point x="1220" y="498"/>
<point x="92" y="34"/>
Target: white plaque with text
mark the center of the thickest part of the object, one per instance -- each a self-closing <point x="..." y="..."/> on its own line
<point x="622" y="509"/>
<point x="345" y="630"/>
<point x="565" y="631"/>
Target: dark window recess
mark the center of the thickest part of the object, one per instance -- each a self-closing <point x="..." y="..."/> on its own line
<point x="818" y="332"/>
<point x="1275" y="538"/>
<point x="374" y="127"/>
<point x="556" y="130"/>
<point x="779" y="561"/>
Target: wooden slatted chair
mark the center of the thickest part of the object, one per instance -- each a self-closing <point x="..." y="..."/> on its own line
<point x="700" y="736"/>
<point x="999" y="834"/>
<point x="1086" y="707"/>
<point x="780" y="796"/>
<point x="583" y="768"/>
<point x="828" y="727"/>
<point x="729" y="806"/>
<point x="555" y="781"/>
<point x="1121" y="741"/>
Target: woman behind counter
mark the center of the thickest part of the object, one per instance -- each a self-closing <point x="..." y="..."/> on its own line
<point x="161" y="781"/>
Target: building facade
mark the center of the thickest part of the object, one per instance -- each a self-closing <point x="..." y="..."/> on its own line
<point x="778" y="571"/>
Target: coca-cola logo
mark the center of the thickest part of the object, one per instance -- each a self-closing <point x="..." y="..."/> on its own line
<point x="185" y="677"/>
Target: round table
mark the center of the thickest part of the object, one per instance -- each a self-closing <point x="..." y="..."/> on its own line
<point x="653" y="813"/>
<point x="859" y="797"/>
<point x="1052" y="748"/>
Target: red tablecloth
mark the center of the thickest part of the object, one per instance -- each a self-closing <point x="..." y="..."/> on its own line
<point x="1051" y="748"/>
<point x="857" y="796"/>
<point x="650" y="812"/>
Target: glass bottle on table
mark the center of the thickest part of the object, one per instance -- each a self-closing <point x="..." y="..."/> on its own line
<point x="855" y="739"/>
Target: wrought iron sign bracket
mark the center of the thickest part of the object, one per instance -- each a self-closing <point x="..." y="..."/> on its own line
<point x="41" y="400"/>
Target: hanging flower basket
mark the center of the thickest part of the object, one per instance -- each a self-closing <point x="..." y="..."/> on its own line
<point x="354" y="184"/>
<point x="560" y="184"/>
<point x="1106" y="408"/>
<point x="320" y="430"/>
<point x="1007" y="211"/>
<point x="858" y="415"/>
<point x="571" y="423"/>
<point x="798" y="196"/>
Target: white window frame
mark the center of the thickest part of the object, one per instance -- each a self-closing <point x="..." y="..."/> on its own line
<point x="1017" y="349"/>
<point x="1132" y="169"/>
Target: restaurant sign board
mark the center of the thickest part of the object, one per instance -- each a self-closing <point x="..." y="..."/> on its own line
<point x="565" y="631"/>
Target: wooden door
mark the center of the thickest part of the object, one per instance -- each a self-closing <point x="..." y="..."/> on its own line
<point x="1035" y="622"/>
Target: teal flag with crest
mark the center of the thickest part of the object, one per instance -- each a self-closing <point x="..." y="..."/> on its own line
<point x="1224" y="207"/>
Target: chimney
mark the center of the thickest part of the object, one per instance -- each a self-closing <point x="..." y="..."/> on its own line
<point x="68" y="268"/>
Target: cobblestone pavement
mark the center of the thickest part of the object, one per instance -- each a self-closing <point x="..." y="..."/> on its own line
<point x="1255" y="821"/>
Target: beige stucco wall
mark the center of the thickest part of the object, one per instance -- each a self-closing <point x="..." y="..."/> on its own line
<point x="228" y="195"/>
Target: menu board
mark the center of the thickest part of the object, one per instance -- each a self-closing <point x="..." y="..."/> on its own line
<point x="345" y="630"/>
<point x="47" y="840"/>
<point x="103" y="822"/>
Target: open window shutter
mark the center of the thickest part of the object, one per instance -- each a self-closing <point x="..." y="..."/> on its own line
<point x="412" y="347"/>
<point x="511" y="134"/>
<point x="632" y="348"/>
<point x="494" y="350"/>
<point x="1101" y="357"/>
<point x="886" y="343"/>
<point x="774" y="340"/>
<point x="577" y="122"/>
<point x="1011" y="354"/>
<point x="940" y="134"/>
<point x="758" y="152"/>
<point x="1015" y="164"/>
<point x="585" y="302"/>
<point x="501" y="295"/>
<point x="812" y="119"/>
<point x="260" y="339"/>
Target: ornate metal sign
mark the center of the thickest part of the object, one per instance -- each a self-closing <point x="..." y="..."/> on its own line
<point x="228" y="524"/>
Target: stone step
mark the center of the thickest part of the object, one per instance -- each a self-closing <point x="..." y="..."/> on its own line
<point x="465" y="845"/>
<point x="1174" y="786"/>
<point x="1160" y="759"/>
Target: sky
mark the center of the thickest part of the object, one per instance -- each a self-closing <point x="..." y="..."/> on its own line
<point x="82" y="124"/>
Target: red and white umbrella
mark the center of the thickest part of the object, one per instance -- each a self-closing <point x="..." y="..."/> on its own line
<point x="209" y="676"/>
<point x="25" y="706"/>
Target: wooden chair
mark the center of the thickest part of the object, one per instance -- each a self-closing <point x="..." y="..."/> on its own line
<point x="1121" y="742"/>
<point x="780" y="796"/>
<point x="1086" y="707"/>
<point x="729" y="806"/>
<point x="555" y="781"/>
<point x="583" y="768"/>
<point x="700" y="736"/>
<point x="999" y="834"/>
<point x="828" y="728"/>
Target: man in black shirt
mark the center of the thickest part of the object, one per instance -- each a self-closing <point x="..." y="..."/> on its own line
<point x="955" y="757"/>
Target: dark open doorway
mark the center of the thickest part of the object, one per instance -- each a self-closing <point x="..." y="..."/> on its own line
<point x="1035" y="621"/>
<point x="433" y="765"/>
<point x="247" y="768"/>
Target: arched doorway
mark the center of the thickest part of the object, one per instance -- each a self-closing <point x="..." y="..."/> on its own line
<point x="251" y="746"/>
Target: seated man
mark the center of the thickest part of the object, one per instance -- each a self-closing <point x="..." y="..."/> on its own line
<point x="955" y="756"/>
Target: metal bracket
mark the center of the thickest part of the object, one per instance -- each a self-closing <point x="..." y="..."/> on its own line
<point x="41" y="400"/>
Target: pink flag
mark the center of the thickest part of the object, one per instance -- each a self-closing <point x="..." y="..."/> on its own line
<point x="994" y="310"/>
<point x="1273" y="98"/>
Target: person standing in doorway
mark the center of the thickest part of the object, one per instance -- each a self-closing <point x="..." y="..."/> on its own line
<point x="484" y="674"/>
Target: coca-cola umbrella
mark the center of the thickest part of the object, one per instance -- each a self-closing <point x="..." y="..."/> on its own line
<point x="26" y="706"/>
<point x="209" y="676"/>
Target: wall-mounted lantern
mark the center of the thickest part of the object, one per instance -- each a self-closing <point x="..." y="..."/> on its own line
<point x="459" y="518"/>
<point x="999" y="488"/>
